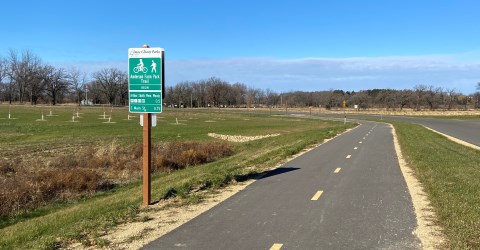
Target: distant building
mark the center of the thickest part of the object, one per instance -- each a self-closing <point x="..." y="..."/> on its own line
<point x="86" y="102"/>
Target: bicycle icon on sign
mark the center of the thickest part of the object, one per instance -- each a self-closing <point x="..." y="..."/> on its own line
<point x="140" y="68"/>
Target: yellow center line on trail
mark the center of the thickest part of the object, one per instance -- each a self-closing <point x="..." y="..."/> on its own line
<point x="276" y="246"/>
<point x="317" y="195"/>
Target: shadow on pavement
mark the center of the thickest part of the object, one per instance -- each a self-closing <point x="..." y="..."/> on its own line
<point x="265" y="174"/>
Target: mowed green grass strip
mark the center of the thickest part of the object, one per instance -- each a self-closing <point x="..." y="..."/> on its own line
<point x="86" y="220"/>
<point x="450" y="174"/>
<point x="455" y="117"/>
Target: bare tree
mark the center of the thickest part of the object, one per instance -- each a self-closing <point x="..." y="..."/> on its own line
<point x="361" y="99"/>
<point x="223" y="94"/>
<point x="250" y="97"/>
<point x="3" y="69"/>
<point x="463" y="100"/>
<point x="198" y="93"/>
<point x="476" y="96"/>
<point x="181" y="94"/>
<point x="316" y="98"/>
<point x="109" y="82"/>
<point x="300" y="99"/>
<point x="260" y="96"/>
<point x="405" y="98"/>
<point x="123" y="91"/>
<point x="239" y="91"/>
<point x="273" y="99"/>
<point x="56" y="83"/>
<point x="203" y="88"/>
<point x="24" y="73"/>
<point x="432" y="97"/>
<point x="3" y="77"/>
<point x="214" y="91"/>
<point x="334" y="98"/>
<point x="420" y="91"/>
<point x="95" y="93"/>
<point x="387" y="99"/>
<point x="77" y="81"/>
<point x="450" y="96"/>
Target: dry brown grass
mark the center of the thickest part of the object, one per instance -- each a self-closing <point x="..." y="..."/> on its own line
<point x="378" y="111"/>
<point x="24" y="191"/>
<point x="178" y="155"/>
<point x="30" y="183"/>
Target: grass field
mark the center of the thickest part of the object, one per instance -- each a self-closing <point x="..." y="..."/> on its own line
<point x="25" y="132"/>
<point x="450" y="174"/>
<point x="86" y="219"/>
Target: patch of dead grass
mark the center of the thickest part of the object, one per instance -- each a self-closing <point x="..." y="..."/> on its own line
<point x="28" y="184"/>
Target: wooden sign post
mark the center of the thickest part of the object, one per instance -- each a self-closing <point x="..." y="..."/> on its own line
<point x="146" y="79"/>
<point x="147" y="158"/>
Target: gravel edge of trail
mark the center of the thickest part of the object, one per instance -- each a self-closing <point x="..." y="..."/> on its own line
<point x="430" y="234"/>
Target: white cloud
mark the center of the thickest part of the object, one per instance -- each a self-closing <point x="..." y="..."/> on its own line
<point x="309" y="74"/>
<point x="334" y="73"/>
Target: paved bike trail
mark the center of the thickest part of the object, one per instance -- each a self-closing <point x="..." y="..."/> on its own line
<point x="348" y="193"/>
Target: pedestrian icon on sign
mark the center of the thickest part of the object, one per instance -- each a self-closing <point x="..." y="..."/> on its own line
<point x="154" y="66"/>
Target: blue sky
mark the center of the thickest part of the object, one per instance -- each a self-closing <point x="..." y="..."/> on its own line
<point x="281" y="45"/>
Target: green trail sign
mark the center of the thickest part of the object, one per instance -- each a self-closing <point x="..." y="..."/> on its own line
<point x="145" y="80"/>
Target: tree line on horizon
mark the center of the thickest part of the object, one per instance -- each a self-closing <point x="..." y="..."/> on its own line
<point x="25" y="78"/>
<point x="214" y="92"/>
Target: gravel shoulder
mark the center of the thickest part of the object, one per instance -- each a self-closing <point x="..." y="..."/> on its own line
<point x="427" y="231"/>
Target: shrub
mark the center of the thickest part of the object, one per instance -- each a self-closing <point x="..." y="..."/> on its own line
<point x="26" y="191"/>
<point x="93" y="169"/>
<point x="178" y="155"/>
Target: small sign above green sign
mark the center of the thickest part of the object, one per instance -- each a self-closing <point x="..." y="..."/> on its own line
<point x="145" y="80"/>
